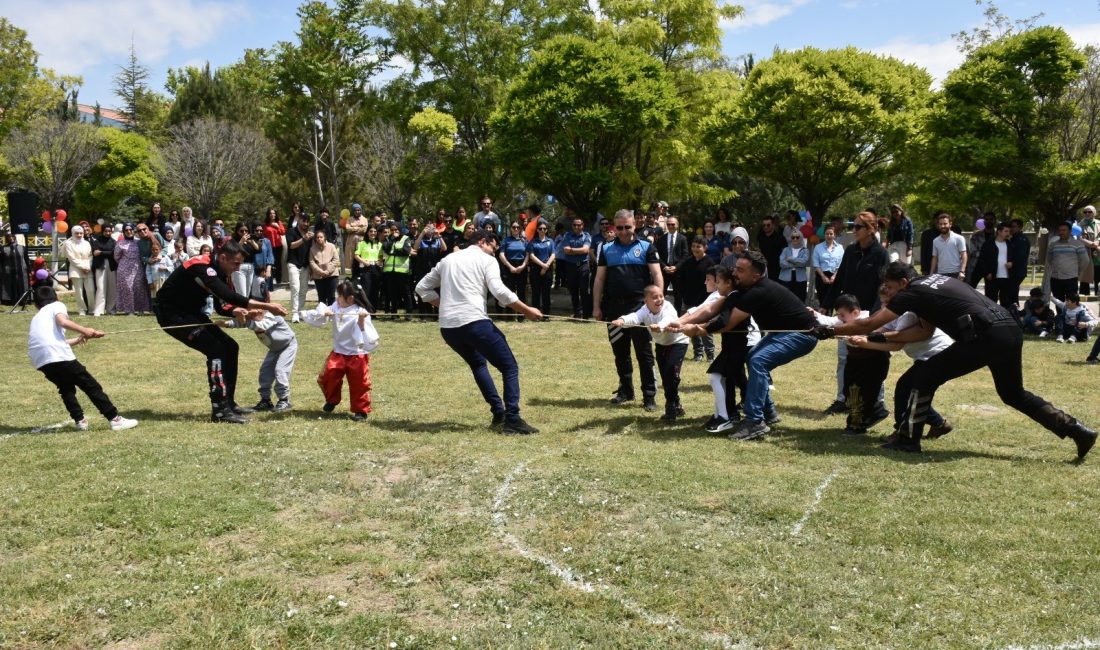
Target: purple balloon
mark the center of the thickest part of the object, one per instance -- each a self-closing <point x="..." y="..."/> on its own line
<point x="188" y="231"/>
<point x="47" y="227"/>
<point x="979" y="224"/>
<point x="41" y="274"/>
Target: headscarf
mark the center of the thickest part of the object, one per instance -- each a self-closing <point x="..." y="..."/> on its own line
<point x="740" y="231"/>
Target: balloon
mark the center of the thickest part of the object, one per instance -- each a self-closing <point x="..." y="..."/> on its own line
<point x="101" y="221"/>
<point x="345" y="213"/>
<point x="62" y="215"/>
<point x="41" y="274"/>
<point x="343" y="222"/>
<point x="62" y="227"/>
<point x="1076" y="230"/>
<point x="47" y="227"/>
<point x="979" y="224"/>
<point x="97" y="229"/>
<point x="40" y="260"/>
<point x="46" y="216"/>
<point x="188" y="231"/>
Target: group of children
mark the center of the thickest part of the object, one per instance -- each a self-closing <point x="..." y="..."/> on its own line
<point x="353" y="334"/>
<point x="1070" y="321"/>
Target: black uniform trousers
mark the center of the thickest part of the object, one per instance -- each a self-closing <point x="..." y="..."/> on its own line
<point x="1000" y="348"/>
<point x="621" y="339"/>
<point x="220" y="349"/>
<point x="576" y="280"/>
<point x="540" y="288"/>
<point x="370" y="279"/>
<point x="70" y="375"/>
<point x="398" y="292"/>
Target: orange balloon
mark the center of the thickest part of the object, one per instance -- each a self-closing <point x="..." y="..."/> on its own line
<point x="343" y="222"/>
<point x="61" y="215"/>
<point x="62" y="227"/>
<point x="97" y="229"/>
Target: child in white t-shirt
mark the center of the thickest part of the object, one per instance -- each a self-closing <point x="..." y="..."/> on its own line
<point x="353" y="338"/>
<point x="52" y="354"/>
<point x="670" y="346"/>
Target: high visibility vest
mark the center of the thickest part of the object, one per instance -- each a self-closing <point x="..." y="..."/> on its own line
<point x="369" y="251"/>
<point x="397" y="263"/>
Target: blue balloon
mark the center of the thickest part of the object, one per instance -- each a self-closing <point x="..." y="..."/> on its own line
<point x="1076" y="230"/>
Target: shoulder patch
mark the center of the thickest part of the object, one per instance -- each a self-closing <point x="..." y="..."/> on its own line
<point x="210" y="271"/>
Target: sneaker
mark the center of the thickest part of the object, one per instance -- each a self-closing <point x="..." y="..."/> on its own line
<point x="518" y="427"/>
<point x="750" y="430"/>
<point x="263" y="405"/>
<point x="294" y="318"/>
<point x="498" y="421"/>
<point x="719" y="426"/>
<point x="851" y="430"/>
<point x="650" y="404"/>
<point x="1044" y="334"/>
<point x="1084" y="437"/>
<point x="120" y="423"/>
<point x="81" y="425"/>
<point x="710" y="356"/>
<point x="329" y="407"/>
<point x="878" y="415"/>
<point x="621" y="398"/>
<point x="772" y="418"/>
<point x="1060" y="339"/>
<point x="283" y="405"/>
<point x="712" y="421"/>
<point x="697" y="358"/>
<point x="836" y="408"/>
<point x="939" y="431"/>
<point x="227" y="416"/>
<point x="907" y="445"/>
<point x="1092" y="360"/>
<point x="359" y="417"/>
<point x="1071" y="340"/>
<point x="241" y="410"/>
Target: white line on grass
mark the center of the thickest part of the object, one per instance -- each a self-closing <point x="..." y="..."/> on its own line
<point x="796" y="530"/>
<point x="42" y="429"/>
<point x="1080" y="644"/>
<point x="572" y="579"/>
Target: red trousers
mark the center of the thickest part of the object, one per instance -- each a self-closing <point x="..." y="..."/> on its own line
<point x="357" y="368"/>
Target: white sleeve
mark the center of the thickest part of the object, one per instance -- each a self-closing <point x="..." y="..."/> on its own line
<point x="822" y="319"/>
<point x="317" y="317"/>
<point x="428" y="287"/>
<point x="634" y="319"/>
<point x="370" y="335"/>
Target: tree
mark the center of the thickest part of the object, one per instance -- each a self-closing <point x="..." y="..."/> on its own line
<point x="206" y="160"/>
<point x="51" y="156"/>
<point x="125" y="171"/>
<point x="25" y="91"/>
<point x="822" y="123"/>
<point x="573" y="115"/>
<point x="1020" y="121"/>
<point x="145" y="110"/>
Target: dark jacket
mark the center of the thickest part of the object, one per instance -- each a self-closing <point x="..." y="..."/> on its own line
<point x="771" y="247"/>
<point x="859" y="275"/>
<point x="679" y="254"/>
<point x="926" y="238"/>
<point x="1019" y="251"/>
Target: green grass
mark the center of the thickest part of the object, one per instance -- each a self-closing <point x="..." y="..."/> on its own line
<point x="308" y="531"/>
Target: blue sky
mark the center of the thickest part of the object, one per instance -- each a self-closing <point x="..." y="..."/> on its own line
<point x="92" y="37"/>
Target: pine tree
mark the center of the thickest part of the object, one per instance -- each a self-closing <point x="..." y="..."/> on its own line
<point x="130" y="85"/>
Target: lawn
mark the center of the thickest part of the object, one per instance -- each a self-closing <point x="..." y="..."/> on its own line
<point x="422" y="528"/>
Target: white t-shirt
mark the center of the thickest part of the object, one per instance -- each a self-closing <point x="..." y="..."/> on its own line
<point x="644" y="318"/>
<point x="1002" y="259"/>
<point x="46" y="343"/>
<point x="347" y="337"/>
<point x="949" y="253"/>
<point x="919" y="350"/>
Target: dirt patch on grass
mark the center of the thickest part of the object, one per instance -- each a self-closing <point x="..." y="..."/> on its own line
<point x="154" y="640"/>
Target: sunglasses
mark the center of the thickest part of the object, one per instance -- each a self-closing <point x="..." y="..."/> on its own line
<point x="621" y="228"/>
<point x="515" y="227"/>
<point x="541" y="228"/>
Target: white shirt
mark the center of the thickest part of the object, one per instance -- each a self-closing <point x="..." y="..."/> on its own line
<point x="347" y="337"/>
<point x="460" y="282"/>
<point x="46" y="343"/>
<point x="644" y="317"/>
<point x="79" y="254"/>
<point x="919" y="350"/>
<point x="1002" y="259"/>
<point x="949" y="252"/>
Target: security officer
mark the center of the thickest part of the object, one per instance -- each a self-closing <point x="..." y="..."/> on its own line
<point x="395" y="272"/>
<point x="985" y="334"/>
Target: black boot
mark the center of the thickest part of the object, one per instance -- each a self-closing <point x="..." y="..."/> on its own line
<point x="223" y="412"/>
<point x="1083" y="436"/>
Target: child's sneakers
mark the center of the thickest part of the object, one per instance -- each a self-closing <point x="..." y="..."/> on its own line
<point x="81" y="425"/>
<point x="1060" y="339"/>
<point x="1044" y="334"/>
<point x="359" y="417"/>
<point x="263" y="405"/>
<point x="282" y="405"/>
<point x="121" y="424"/>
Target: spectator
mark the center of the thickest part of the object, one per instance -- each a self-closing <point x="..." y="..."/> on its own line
<point x="242" y="278"/>
<point x="900" y="235"/>
<point x="948" y="250"/>
<point x="354" y="230"/>
<point x="198" y="238"/>
<point x="426" y="252"/>
<point x="263" y="262"/>
<point x="540" y="261"/>
<point x="572" y="263"/>
<point x="986" y="231"/>
<point x="827" y="257"/>
<point x="486" y="219"/>
<point x="1066" y="261"/>
<point x="739" y="243"/>
<point x="105" y="268"/>
<point x="467" y="237"/>
<point x="792" y="265"/>
<point x="150" y="245"/>
<point x="154" y="220"/>
<point x="927" y="237"/>
<point x="692" y="278"/>
<point x="299" y="240"/>
<point x="718" y="244"/>
<point x="722" y="221"/>
<point x="324" y="268"/>
<point x="188" y="220"/>
<point x="995" y="265"/>
<point x="1090" y="234"/>
<point x="1074" y="320"/>
<point x="460" y="220"/>
<point x="274" y="231"/>
<point x="174" y="224"/>
<point x="78" y="251"/>
<point x="133" y="290"/>
<point x="1019" y="247"/>
<point x="651" y="231"/>
<point x="513" y="261"/>
<point x="770" y="242"/>
<point x="369" y="255"/>
<point x="395" y="273"/>
<point x="1037" y="316"/>
<point x="328" y="226"/>
<point x="673" y="249"/>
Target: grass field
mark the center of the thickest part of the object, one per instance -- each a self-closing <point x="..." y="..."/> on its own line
<point x="421" y="528"/>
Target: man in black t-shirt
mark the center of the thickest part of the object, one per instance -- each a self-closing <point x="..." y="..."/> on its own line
<point x="777" y="311"/>
<point x="625" y="268"/>
<point x="985" y="334"/>
<point x="181" y="301"/>
<point x="771" y="243"/>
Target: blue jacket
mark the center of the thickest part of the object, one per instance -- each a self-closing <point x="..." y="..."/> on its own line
<point x="266" y="256"/>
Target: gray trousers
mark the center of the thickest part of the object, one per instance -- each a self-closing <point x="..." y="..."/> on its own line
<point x="276" y="370"/>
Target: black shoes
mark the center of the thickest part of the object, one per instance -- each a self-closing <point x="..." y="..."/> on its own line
<point x="622" y="398"/>
<point x="905" y="444"/>
<point x="772" y="418"/>
<point x="836" y="408"/>
<point x="263" y="405"/>
<point x="226" y="415"/>
<point x="673" y="413"/>
<point x="329" y="407"/>
<point x="852" y="430"/>
<point x="650" y="404"/>
<point x="518" y="427"/>
<point x="1083" y="436"/>
<point x="875" y="417"/>
<point x="498" y="421"/>
<point x="241" y="410"/>
<point x="359" y="417"/>
<point x="750" y="430"/>
<point x="939" y="431"/>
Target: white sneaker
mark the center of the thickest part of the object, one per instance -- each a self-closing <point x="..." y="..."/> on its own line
<point x="1060" y="339"/>
<point x="1071" y="340"/>
<point x="294" y="318"/>
<point x="120" y="423"/>
<point x="1043" y="334"/>
<point x="82" y="425"/>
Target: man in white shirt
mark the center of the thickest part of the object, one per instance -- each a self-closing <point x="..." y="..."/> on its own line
<point x="458" y="287"/>
<point x="948" y="250"/>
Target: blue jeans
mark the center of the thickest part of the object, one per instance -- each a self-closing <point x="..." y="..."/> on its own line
<point x="480" y="343"/>
<point x="772" y="351"/>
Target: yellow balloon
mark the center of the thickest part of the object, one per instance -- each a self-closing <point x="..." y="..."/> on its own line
<point x="345" y="213"/>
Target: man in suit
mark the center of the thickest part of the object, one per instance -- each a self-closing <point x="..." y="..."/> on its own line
<point x="673" y="249"/>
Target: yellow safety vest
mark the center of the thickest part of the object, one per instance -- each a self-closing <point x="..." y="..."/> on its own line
<point x="369" y="251"/>
<point x="397" y="263"/>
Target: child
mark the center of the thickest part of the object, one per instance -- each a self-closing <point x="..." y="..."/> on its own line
<point x="52" y="353"/>
<point x="865" y="372"/>
<point x="1037" y="317"/>
<point x="282" y="349"/>
<point x="353" y="338"/>
<point x="728" y="373"/>
<point x="670" y="346"/>
<point x="209" y="308"/>
<point x="1073" y="321"/>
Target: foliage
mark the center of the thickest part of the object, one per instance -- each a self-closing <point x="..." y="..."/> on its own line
<point x="26" y="91"/>
<point x="206" y="160"/>
<point x="50" y="156"/>
<point x="822" y="123"/>
<point x="145" y="110"/>
<point x="1019" y="120"/>
<point x="572" y="116"/>
<point x="234" y="93"/>
<point x="125" y="171"/>
<point x="997" y="26"/>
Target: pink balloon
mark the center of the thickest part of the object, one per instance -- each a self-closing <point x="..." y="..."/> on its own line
<point x="41" y="274"/>
<point x="47" y="227"/>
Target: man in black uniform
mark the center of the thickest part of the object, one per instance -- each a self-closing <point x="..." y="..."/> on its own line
<point x="182" y="299"/>
<point x="985" y="334"/>
<point x="770" y="242"/>
<point x="626" y="266"/>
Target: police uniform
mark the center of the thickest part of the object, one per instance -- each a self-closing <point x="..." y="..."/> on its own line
<point x="985" y="334"/>
<point x="626" y="278"/>
<point x="181" y="302"/>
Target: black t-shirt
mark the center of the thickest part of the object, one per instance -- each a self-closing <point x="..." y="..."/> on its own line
<point x="942" y="301"/>
<point x="774" y="307"/>
<point x="186" y="289"/>
<point x="691" y="280"/>
<point x="297" y="256"/>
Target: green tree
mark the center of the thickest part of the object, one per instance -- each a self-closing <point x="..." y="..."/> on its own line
<point x="1019" y="122"/>
<point x="26" y="91"/>
<point x="572" y="116"/>
<point x="822" y="123"/>
<point x="145" y="110"/>
<point x="125" y="171"/>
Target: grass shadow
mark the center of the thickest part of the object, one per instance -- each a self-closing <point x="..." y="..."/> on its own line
<point x="575" y="402"/>
<point x="817" y="442"/>
<point x="420" y="426"/>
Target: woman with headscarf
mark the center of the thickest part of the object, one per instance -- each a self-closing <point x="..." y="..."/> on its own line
<point x="78" y="251"/>
<point x="354" y="230"/>
<point x="133" y="291"/>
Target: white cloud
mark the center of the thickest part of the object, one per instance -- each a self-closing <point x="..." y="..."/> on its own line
<point x="1086" y="34"/>
<point x="937" y="58"/>
<point x="71" y="36"/>
<point x="762" y="12"/>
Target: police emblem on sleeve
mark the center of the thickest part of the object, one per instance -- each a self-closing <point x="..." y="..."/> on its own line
<point x="638" y="251"/>
<point x="210" y="271"/>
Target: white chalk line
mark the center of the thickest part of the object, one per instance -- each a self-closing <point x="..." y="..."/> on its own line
<point x="572" y="579"/>
<point x="41" y="429"/>
<point x="796" y="530"/>
<point x="1080" y="644"/>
